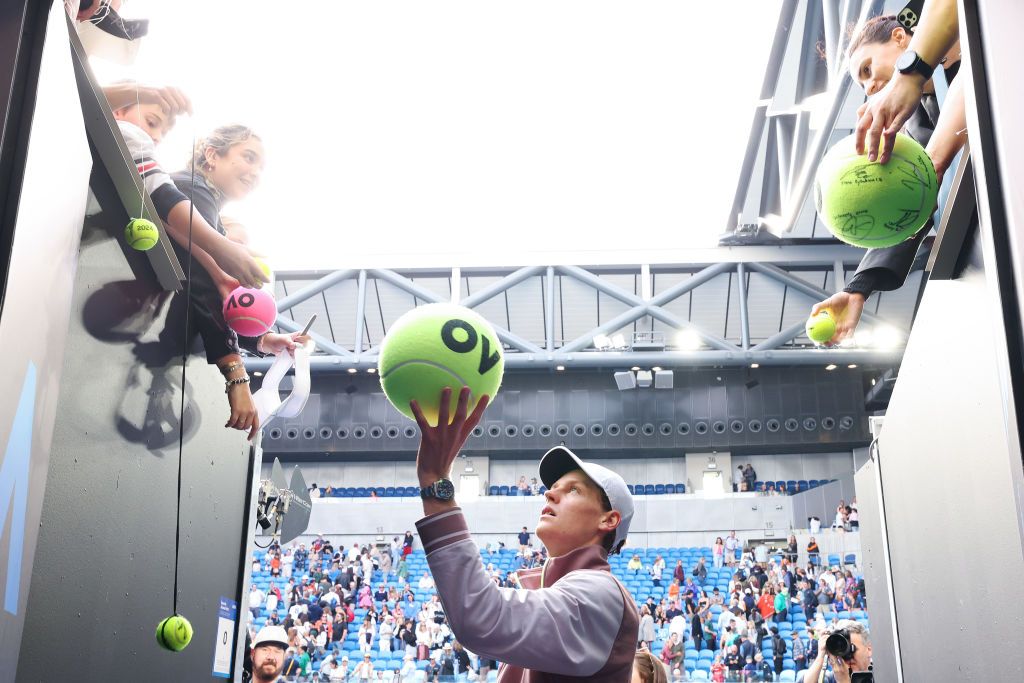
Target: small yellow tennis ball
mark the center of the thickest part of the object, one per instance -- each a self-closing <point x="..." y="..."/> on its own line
<point x="437" y="346"/>
<point x="868" y="204"/>
<point x="821" y="327"/>
<point x="174" y="633"/>
<point x="264" y="266"/>
<point x="141" y="234"/>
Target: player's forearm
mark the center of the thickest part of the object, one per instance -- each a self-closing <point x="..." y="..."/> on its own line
<point x="937" y="31"/>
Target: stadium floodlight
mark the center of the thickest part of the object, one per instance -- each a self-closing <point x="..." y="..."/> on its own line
<point x="625" y="380"/>
<point x="618" y="341"/>
<point x="644" y="379"/>
<point x="688" y="340"/>
<point x="664" y="379"/>
<point x="887" y="338"/>
<point x="602" y="341"/>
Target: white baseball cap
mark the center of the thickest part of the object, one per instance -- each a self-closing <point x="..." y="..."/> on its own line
<point x="560" y="460"/>
<point x="274" y="635"/>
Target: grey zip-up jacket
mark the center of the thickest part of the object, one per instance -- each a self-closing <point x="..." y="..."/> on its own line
<point x="574" y="621"/>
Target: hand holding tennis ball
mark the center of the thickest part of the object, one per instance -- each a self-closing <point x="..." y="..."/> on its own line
<point x="845" y="309"/>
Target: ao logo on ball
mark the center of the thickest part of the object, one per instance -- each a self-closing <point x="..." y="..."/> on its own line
<point x="437" y="346"/>
<point x="250" y="312"/>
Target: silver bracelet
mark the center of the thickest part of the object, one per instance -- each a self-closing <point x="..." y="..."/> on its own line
<point x="238" y="380"/>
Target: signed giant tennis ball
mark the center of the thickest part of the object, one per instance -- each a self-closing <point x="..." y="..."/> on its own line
<point x="868" y="204"/>
<point x="174" y="633"/>
<point x="437" y="346"/>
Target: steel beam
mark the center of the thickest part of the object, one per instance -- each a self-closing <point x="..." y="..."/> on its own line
<point x="777" y="340"/>
<point x="503" y="285"/>
<point x="624" y="360"/>
<point x="741" y="275"/>
<point x="312" y="290"/>
<point x="407" y="285"/>
<point x="322" y="342"/>
<point x="360" y="312"/>
<point x="549" y="311"/>
<point x="805" y="287"/>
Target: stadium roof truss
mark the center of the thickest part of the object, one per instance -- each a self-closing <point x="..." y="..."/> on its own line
<point x="733" y="306"/>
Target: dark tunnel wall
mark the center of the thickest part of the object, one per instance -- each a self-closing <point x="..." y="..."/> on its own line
<point x="104" y="566"/>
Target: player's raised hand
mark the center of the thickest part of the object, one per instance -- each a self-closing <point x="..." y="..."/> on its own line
<point x="440" y="445"/>
<point x="846" y="309"/>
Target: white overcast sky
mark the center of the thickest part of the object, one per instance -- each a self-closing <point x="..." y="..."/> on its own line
<point x="468" y="132"/>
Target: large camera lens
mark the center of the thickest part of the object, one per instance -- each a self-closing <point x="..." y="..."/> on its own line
<point x="838" y="645"/>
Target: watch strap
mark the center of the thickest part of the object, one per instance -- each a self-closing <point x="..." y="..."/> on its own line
<point x="918" y="66"/>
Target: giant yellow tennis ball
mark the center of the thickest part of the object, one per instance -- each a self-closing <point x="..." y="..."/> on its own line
<point x="821" y="327"/>
<point x="174" y="633"/>
<point x="437" y="346"/>
<point x="141" y="234"/>
<point x="868" y="204"/>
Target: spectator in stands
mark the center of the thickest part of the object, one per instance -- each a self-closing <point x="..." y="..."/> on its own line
<point x="647" y="669"/>
<point x="781" y="605"/>
<point x="657" y="569"/>
<point x="792" y="549"/>
<point x="778" y="649"/>
<point x="364" y="669"/>
<point x="766" y="604"/>
<point x="763" y="668"/>
<point x="700" y="570"/>
<point x="268" y="654"/>
<point x="672" y="654"/>
<point x="799" y="651"/>
<point x="646" y="626"/>
<point x="523" y="487"/>
<point x="853" y="517"/>
<point x="673" y="590"/>
<point x="718" y="552"/>
<point x="718" y="670"/>
<point x="524" y="540"/>
<point x="732" y="545"/>
<point x="749" y="670"/>
<point x="408" y="667"/>
<point x="635" y="565"/>
<point x="813" y="551"/>
<point x="407" y="543"/>
<point x="749" y="476"/>
<point x="734" y="662"/>
<point x="256" y="598"/>
<point x="314" y="491"/>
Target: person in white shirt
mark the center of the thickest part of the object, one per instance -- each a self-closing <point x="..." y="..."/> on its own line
<point x="341" y="671"/>
<point x="256" y="598"/>
<point x="364" y="669"/>
<point x="426" y="582"/>
<point x="408" y="667"/>
<point x="271" y="602"/>
<point x="731" y="544"/>
<point x="385" y="634"/>
<point x="353" y="552"/>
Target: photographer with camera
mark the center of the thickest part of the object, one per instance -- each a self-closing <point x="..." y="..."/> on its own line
<point x="848" y="650"/>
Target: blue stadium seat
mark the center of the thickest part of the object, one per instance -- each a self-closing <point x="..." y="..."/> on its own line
<point x="502" y="490"/>
<point x="680" y="487"/>
<point x="379" y="491"/>
<point x="350" y="492"/>
<point x="659" y="489"/>
<point x="791" y="485"/>
<point x="670" y="488"/>
<point x="649" y="489"/>
<point x="493" y="491"/>
<point x="362" y="492"/>
<point x="543" y="490"/>
<point x="630" y="487"/>
<point x="779" y="484"/>
<point x="389" y="491"/>
<point x="833" y="560"/>
<point x="638" y="489"/>
<point x="802" y="485"/>
<point x="759" y="486"/>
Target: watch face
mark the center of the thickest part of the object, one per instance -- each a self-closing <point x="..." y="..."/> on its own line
<point x="445" y="489"/>
<point x="906" y="61"/>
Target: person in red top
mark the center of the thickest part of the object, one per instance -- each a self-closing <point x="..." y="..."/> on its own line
<point x="718" y="670"/>
<point x="766" y="604"/>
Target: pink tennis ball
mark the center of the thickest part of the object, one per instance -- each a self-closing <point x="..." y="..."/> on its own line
<point x="250" y="312"/>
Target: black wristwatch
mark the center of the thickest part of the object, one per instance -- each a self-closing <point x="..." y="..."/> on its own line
<point x="911" y="63"/>
<point x="442" y="489"/>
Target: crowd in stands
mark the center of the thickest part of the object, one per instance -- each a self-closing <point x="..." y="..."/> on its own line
<point x="369" y="611"/>
<point x="532" y="488"/>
